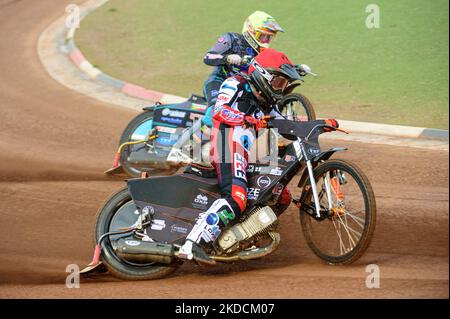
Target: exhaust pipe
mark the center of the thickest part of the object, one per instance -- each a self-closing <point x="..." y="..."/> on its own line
<point x="143" y="251"/>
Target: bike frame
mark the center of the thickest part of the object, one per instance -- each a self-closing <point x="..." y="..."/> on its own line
<point x="311" y="161"/>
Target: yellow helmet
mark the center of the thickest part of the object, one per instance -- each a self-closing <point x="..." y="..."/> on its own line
<point x="261" y="28"/>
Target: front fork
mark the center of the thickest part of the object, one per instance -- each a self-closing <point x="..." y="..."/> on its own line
<point x="329" y="188"/>
<point x="311" y="178"/>
<point x="314" y="187"/>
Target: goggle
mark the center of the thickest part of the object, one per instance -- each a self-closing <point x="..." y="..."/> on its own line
<point x="279" y="83"/>
<point x="264" y="37"/>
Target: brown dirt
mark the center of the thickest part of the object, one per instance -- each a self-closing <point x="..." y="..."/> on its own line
<point x="54" y="144"/>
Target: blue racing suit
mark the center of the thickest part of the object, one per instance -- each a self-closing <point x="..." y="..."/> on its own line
<point x="229" y="43"/>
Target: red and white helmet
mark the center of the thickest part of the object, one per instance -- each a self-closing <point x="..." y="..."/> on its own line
<point x="270" y="72"/>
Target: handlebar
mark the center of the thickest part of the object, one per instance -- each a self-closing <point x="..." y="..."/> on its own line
<point x="304" y="129"/>
<point x="304" y="69"/>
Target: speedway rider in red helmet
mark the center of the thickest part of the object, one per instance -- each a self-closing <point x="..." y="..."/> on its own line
<point x="241" y="105"/>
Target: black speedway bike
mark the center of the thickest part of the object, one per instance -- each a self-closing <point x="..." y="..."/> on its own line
<point x="140" y="228"/>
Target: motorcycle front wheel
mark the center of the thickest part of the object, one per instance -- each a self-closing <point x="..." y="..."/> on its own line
<point x="348" y="212"/>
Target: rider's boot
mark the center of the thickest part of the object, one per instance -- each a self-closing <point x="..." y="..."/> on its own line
<point x="206" y="229"/>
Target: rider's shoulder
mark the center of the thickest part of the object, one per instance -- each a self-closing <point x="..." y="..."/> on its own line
<point x="225" y="38"/>
<point x="235" y="82"/>
<point x="232" y="80"/>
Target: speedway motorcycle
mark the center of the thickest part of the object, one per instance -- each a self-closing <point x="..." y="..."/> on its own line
<point x="140" y="228"/>
<point x="156" y="140"/>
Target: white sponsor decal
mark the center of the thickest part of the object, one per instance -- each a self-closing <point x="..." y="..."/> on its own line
<point x="263" y="71"/>
<point x="276" y="171"/>
<point x="173" y="113"/>
<point x="164" y="129"/>
<point x="290" y="158"/>
<point x="263" y="181"/>
<point x="313" y="151"/>
<point x="201" y="199"/>
<point x="178" y="229"/>
<point x="253" y="193"/>
<point x="132" y="242"/>
<point x="158" y="224"/>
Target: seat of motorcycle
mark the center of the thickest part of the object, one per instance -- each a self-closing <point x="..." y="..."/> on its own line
<point x="200" y="170"/>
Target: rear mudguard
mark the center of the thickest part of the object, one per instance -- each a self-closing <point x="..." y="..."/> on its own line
<point x="322" y="156"/>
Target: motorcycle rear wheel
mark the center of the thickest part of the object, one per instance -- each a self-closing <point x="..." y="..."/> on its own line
<point x="299" y="104"/>
<point x="118" y="267"/>
<point x="344" y="236"/>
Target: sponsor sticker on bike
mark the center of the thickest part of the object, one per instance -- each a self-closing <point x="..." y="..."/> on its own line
<point x="200" y="201"/>
<point x="173" y="113"/>
<point x="290" y="158"/>
<point x="178" y="229"/>
<point x="158" y="224"/>
<point x="165" y="129"/>
<point x="172" y="120"/>
<point x="263" y="181"/>
<point x="253" y="193"/>
<point x="165" y="141"/>
<point x="198" y="107"/>
<point x="276" y="171"/>
<point x="278" y="189"/>
<point x="313" y="151"/>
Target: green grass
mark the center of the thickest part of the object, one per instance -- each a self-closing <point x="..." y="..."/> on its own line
<point x="396" y="74"/>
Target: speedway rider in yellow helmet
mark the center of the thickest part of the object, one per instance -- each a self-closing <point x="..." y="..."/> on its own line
<point x="259" y="29"/>
<point x="230" y="49"/>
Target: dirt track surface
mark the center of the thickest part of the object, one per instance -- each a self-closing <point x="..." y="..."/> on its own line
<point x="54" y="144"/>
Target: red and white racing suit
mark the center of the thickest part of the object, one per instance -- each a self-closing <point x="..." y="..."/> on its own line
<point x="230" y="146"/>
<point x="231" y="141"/>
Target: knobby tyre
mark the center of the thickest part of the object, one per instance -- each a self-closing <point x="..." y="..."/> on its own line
<point x="345" y="235"/>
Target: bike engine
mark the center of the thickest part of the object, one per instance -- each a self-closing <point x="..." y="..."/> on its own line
<point x="256" y="223"/>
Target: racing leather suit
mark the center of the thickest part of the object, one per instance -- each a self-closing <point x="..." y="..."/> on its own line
<point x="231" y="142"/>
